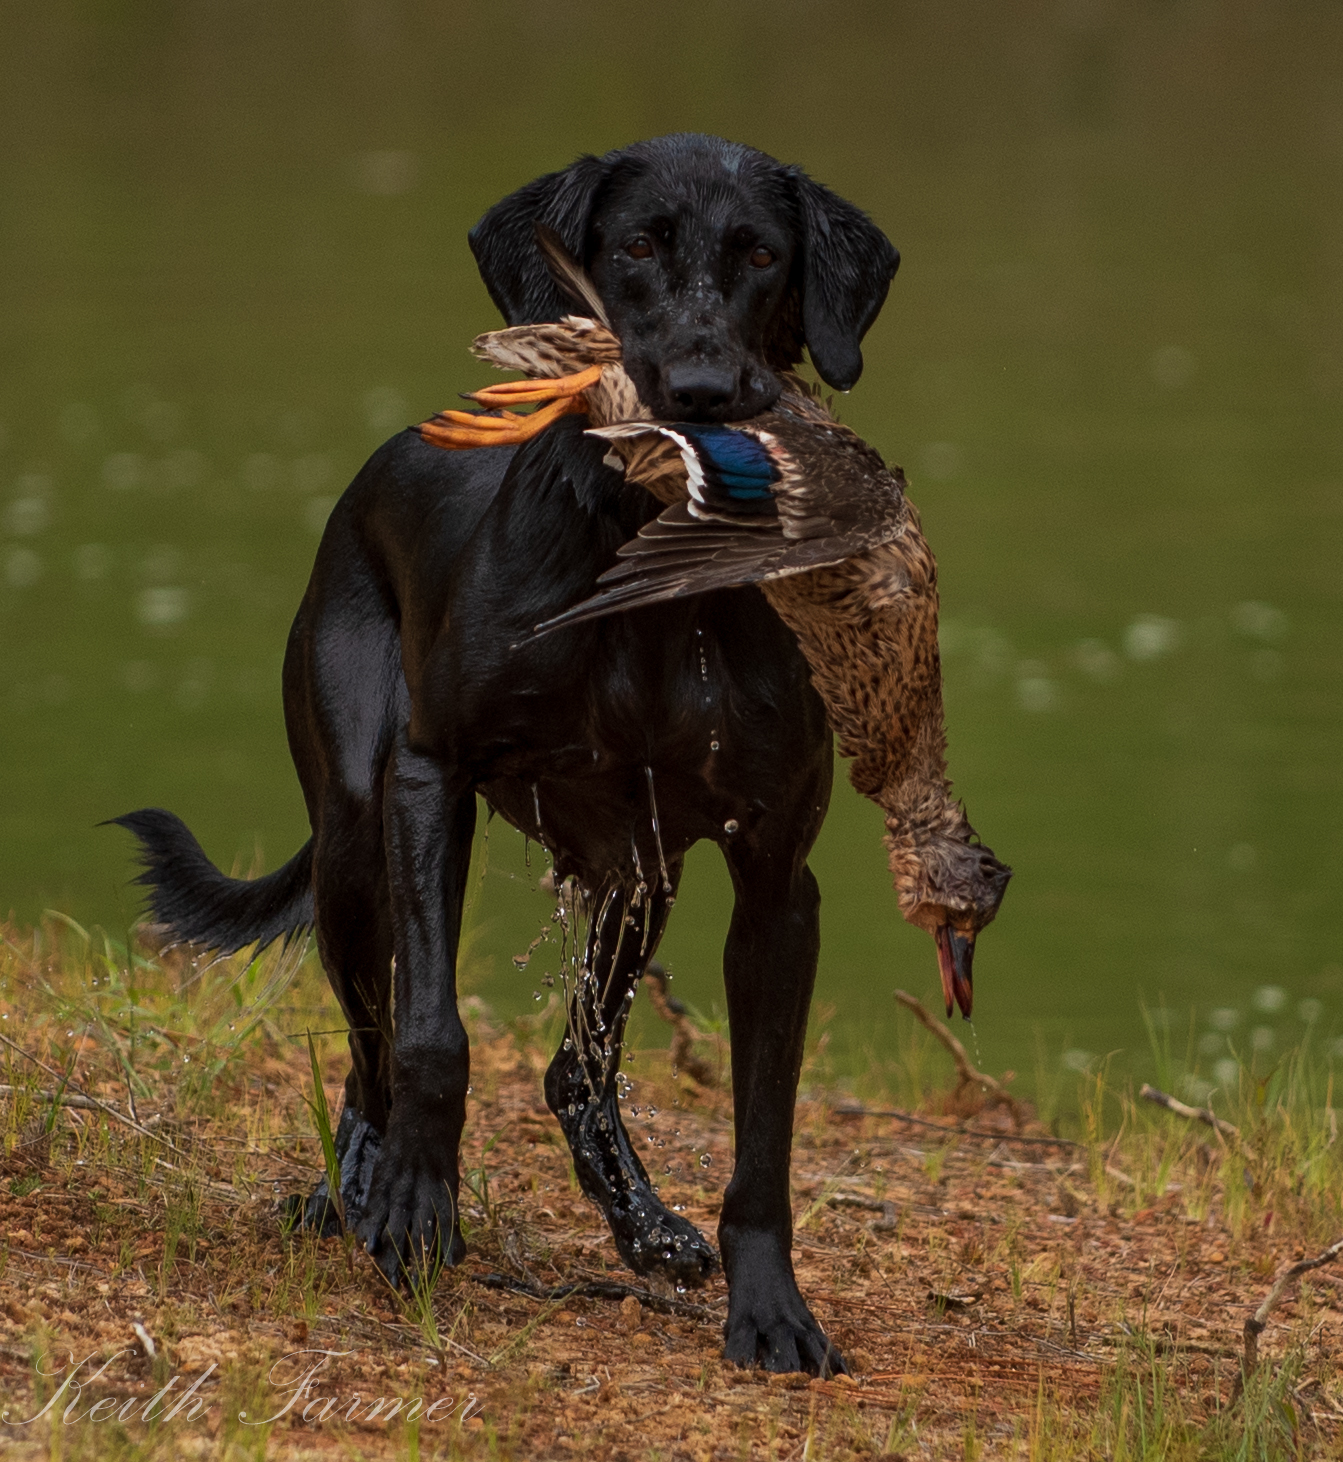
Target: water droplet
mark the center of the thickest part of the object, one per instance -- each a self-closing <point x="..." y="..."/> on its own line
<point x="571" y="1109"/>
<point x="657" y="831"/>
<point x="705" y="1160"/>
<point x="731" y="826"/>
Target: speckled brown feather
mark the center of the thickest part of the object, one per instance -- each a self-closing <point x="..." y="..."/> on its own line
<point x="866" y="619"/>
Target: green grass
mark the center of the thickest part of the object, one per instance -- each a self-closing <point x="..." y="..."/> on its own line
<point x="220" y="1051"/>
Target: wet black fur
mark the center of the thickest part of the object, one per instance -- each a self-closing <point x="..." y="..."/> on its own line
<point x="405" y="697"/>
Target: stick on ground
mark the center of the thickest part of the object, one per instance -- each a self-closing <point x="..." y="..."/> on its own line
<point x="1206" y="1115"/>
<point x="1254" y="1326"/>
<point x="683" y="1055"/>
<point x="966" y="1074"/>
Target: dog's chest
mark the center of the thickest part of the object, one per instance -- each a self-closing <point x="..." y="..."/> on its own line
<point x="658" y="728"/>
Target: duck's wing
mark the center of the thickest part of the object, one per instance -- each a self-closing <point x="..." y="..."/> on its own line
<point x="774" y="502"/>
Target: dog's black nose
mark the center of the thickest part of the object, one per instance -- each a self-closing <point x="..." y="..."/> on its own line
<point x="700" y="390"/>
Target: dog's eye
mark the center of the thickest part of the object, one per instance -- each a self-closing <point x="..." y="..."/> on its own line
<point x="761" y="257"/>
<point x="639" y="248"/>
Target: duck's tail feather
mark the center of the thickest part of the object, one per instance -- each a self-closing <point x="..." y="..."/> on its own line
<point x="203" y="906"/>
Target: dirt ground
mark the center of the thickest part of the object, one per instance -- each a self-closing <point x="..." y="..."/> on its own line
<point x="996" y="1292"/>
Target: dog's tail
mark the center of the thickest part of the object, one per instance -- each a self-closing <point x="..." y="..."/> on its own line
<point x="201" y="905"/>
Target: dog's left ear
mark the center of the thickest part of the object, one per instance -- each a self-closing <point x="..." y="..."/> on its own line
<point x="847" y="268"/>
<point x="504" y="241"/>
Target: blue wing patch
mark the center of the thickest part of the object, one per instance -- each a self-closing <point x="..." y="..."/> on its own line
<point x="727" y="470"/>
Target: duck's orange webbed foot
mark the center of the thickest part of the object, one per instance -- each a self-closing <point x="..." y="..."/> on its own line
<point x="518" y="393"/>
<point x="455" y="430"/>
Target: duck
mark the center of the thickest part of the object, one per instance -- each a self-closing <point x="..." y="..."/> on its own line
<point x="797" y="503"/>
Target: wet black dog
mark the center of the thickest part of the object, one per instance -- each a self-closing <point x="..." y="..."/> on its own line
<point x="409" y="688"/>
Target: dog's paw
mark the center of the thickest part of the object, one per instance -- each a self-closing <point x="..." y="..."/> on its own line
<point x="656" y="1242"/>
<point x="357" y="1146"/>
<point x="409" y="1222"/>
<point x="358" y="1162"/>
<point x="770" y="1326"/>
<point x="314" y="1213"/>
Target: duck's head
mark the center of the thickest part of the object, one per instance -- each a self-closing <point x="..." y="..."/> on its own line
<point x="951" y="885"/>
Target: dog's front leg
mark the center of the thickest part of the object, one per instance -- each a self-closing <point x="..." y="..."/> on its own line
<point x="411" y="1215"/>
<point x="769" y="966"/>
<point x="582" y="1091"/>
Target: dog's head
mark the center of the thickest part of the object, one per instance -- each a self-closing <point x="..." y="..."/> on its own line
<point x="716" y="264"/>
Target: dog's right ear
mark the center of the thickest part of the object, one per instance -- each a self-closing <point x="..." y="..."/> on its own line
<point x="513" y="267"/>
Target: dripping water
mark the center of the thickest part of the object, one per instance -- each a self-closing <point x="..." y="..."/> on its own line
<point x="974" y="1036"/>
<point x="521" y="961"/>
<point x="657" y="831"/>
<point x="641" y="884"/>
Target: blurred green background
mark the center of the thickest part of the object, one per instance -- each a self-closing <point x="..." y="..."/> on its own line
<point x="233" y="259"/>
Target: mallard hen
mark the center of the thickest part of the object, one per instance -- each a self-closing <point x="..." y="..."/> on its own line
<point x="799" y="504"/>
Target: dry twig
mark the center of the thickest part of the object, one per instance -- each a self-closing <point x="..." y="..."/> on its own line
<point x="597" y="1290"/>
<point x="66" y="1099"/>
<point x="683" y="1055"/>
<point x="1206" y="1115"/>
<point x="1254" y="1326"/>
<point x="966" y="1074"/>
<point x="93" y="1104"/>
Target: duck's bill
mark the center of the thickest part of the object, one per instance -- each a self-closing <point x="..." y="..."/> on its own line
<point x="955" y="957"/>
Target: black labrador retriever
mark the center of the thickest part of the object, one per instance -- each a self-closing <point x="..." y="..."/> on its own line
<point x="410" y="688"/>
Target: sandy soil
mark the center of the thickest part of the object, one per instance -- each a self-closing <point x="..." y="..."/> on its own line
<point x="990" y="1288"/>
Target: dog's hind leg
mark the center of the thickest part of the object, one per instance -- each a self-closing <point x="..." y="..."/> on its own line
<point x="581" y="1089"/>
<point x="354" y="937"/>
<point x="410" y="1215"/>
<point x="344" y="699"/>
